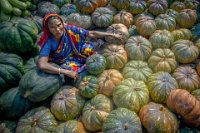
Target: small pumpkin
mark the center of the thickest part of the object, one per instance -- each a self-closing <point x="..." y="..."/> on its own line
<point x="182" y="33"/>
<point x="177" y="6"/>
<point x="137" y="6"/>
<point x="67" y="9"/>
<point x="164" y="21"/>
<point x="87" y="7"/>
<point x="157" y="7"/>
<point x="124" y="17"/>
<point x="46" y="7"/>
<point x="120" y="4"/>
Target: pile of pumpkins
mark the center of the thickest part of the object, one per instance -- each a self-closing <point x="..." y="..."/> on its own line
<point x="147" y="82"/>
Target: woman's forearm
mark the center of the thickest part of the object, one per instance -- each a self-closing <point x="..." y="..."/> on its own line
<point x="99" y="34"/>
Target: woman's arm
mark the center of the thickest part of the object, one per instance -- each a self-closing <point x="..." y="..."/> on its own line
<point x="45" y="66"/>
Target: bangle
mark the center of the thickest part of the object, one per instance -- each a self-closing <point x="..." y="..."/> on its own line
<point x="59" y="70"/>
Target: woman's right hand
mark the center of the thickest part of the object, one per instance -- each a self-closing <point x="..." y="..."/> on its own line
<point x="72" y="74"/>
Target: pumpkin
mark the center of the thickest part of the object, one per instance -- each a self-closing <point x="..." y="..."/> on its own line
<point x="108" y="80"/>
<point x="116" y="56"/>
<point x="71" y="126"/>
<point x="60" y="3"/>
<point x="96" y="64"/>
<point x="39" y="120"/>
<point x="13" y="104"/>
<point x="172" y="13"/>
<point x="37" y="20"/>
<point x="138" y="48"/>
<point x="137" y="6"/>
<point x="186" y="129"/>
<point x="187" y="78"/>
<point x="157" y="7"/>
<point x="122" y="120"/>
<point x="124" y="17"/>
<point x="95" y="112"/>
<point x="8" y="126"/>
<point x="198" y="68"/>
<point x="162" y="60"/>
<point x="46" y="7"/>
<point x="23" y="31"/>
<point x="197" y="43"/>
<point x="142" y="14"/>
<point x="161" y="39"/>
<point x="177" y="6"/>
<point x="87" y="6"/>
<point x="131" y="94"/>
<point x="182" y="33"/>
<point x="89" y="87"/>
<point x="186" y="18"/>
<point x="164" y="21"/>
<point x="159" y="85"/>
<point x="67" y="9"/>
<point x="120" y="4"/>
<point x="185" y="51"/>
<point x="191" y="4"/>
<point x="157" y="118"/>
<point x="133" y="31"/>
<point x="117" y="29"/>
<point x="67" y="103"/>
<point x="138" y="70"/>
<point x="102" y="3"/>
<point x="37" y="86"/>
<point x="186" y="105"/>
<point x="31" y="63"/>
<point x="196" y="31"/>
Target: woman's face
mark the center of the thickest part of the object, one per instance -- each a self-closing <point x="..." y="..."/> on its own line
<point x="56" y="28"/>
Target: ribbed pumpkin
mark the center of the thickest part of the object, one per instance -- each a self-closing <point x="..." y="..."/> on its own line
<point x="87" y="6"/>
<point x="46" y="7"/>
<point x="157" y="7"/>
<point x="13" y="105"/>
<point x="18" y="35"/>
<point x="187" y="78"/>
<point x="102" y="17"/>
<point x="186" y="18"/>
<point x="138" y="70"/>
<point x="39" y="120"/>
<point x="117" y="29"/>
<point x="116" y="56"/>
<point x="145" y="25"/>
<point x="137" y="6"/>
<point x="196" y="93"/>
<point x="120" y="4"/>
<point x="122" y="120"/>
<point x="159" y="85"/>
<point x="138" y="48"/>
<point x="142" y="14"/>
<point x="95" y="112"/>
<point x="37" y="85"/>
<point x="186" y="105"/>
<point x="177" y="6"/>
<point x="31" y="63"/>
<point x="196" y="31"/>
<point x="157" y="118"/>
<point x="164" y="21"/>
<point x="96" y="64"/>
<point x="11" y="70"/>
<point x="133" y="31"/>
<point x="171" y="13"/>
<point x="161" y="39"/>
<point x="8" y="126"/>
<point x="182" y="33"/>
<point x="124" y="17"/>
<point x="198" y="68"/>
<point x="67" y="9"/>
<point x="67" y="103"/>
<point x="60" y="3"/>
<point x="89" y="86"/>
<point x="37" y="20"/>
<point x="197" y="43"/>
<point x="71" y="126"/>
<point x="185" y="51"/>
<point x="191" y="4"/>
<point x="108" y="80"/>
<point x="102" y="3"/>
<point x="162" y="60"/>
<point x="131" y="94"/>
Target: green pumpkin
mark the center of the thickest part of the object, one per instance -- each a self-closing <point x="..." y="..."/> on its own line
<point x="60" y="3"/>
<point x="157" y="118"/>
<point x="13" y="104"/>
<point x="196" y="93"/>
<point x="37" y="85"/>
<point x="177" y="6"/>
<point x="122" y="120"/>
<point x="87" y="6"/>
<point x="46" y="7"/>
<point x="31" y="63"/>
<point x="67" y="9"/>
<point x="120" y="4"/>
<point x="191" y="4"/>
<point x="96" y="64"/>
<point x="196" y="31"/>
<point x="182" y="33"/>
<point x="124" y="17"/>
<point x="138" y="70"/>
<point x="171" y="13"/>
<point x="164" y="21"/>
<point x="18" y="35"/>
<point x="67" y="103"/>
<point x="157" y="7"/>
<point x="37" y="120"/>
<point x="37" y="20"/>
<point x="185" y="129"/>
<point x="137" y="6"/>
<point x="8" y="126"/>
<point x="133" y="31"/>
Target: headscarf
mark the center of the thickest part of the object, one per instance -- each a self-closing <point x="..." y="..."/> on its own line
<point x="46" y="33"/>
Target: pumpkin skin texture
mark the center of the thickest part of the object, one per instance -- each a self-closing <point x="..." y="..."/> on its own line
<point x="191" y="4"/>
<point x="131" y="94"/>
<point x="137" y="6"/>
<point x="71" y="126"/>
<point x="138" y="70"/>
<point x="8" y="126"/>
<point x="108" y="80"/>
<point x="196" y="93"/>
<point x="157" y="7"/>
<point x="87" y="6"/>
<point x="158" y="119"/>
<point x="138" y="48"/>
<point x="60" y="3"/>
<point x="187" y="78"/>
<point x="162" y="60"/>
<point x="37" y="86"/>
<point x="186" y="105"/>
<point x="122" y="120"/>
<point x="120" y="4"/>
<point x="159" y="85"/>
<point x="116" y="56"/>
<point x="67" y="9"/>
<point x="185" y="51"/>
<point x="22" y="31"/>
<point x="172" y="13"/>
<point x="46" y="7"/>
<point x="184" y="34"/>
<point x="37" y="120"/>
<point x="164" y="21"/>
<point x="177" y="6"/>
<point x="95" y="112"/>
<point x="124" y="17"/>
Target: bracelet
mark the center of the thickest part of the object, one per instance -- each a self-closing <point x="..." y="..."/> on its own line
<point x="59" y="70"/>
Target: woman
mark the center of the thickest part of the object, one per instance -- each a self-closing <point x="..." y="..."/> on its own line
<point x="65" y="45"/>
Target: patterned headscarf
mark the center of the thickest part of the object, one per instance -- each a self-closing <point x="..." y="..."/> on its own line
<point x="46" y="33"/>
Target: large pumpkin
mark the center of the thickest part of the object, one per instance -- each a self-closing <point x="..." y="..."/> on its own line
<point x="116" y="56"/>
<point x="18" y="35"/>
<point x="137" y="6"/>
<point x="157" y="118"/>
<point x="182" y="33"/>
<point x="122" y="120"/>
<point x="60" y="3"/>
<point x="108" y="80"/>
<point x="124" y="17"/>
<point x="67" y="103"/>
<point x="46" y="7"/>
<point x="186" y="105"/>
<point x="87" y="6"/>
<point x="67" y="9"/>
<point x="131" y="94"/>
<point x="177" y="6"/>
<point x="164" y="21"/>
<point x="157" y="7"/>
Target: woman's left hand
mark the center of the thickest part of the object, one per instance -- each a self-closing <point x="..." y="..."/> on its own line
<point x="121" y="37"/>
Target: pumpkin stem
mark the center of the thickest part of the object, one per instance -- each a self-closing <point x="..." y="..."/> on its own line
<point x="34" y="123"/>
<point x="161" y="108"/>
<point x="126" y="126"/>
<point x="27" y="93"/>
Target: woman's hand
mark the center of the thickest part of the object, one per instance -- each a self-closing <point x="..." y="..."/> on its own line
<point x="121" y="37"/>
<point x="71" y="74"/>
